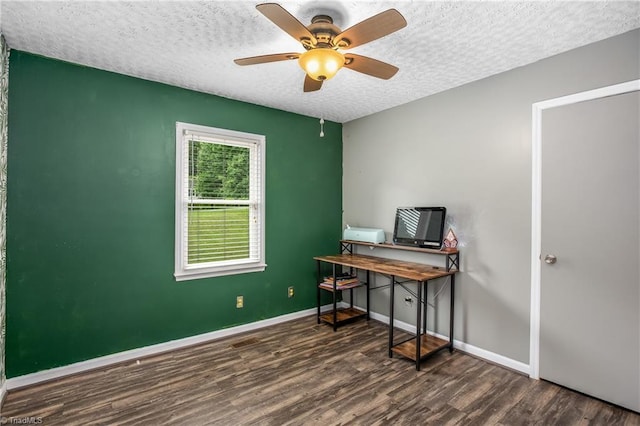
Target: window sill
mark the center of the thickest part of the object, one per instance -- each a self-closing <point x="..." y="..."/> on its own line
<point x="218" y="272"/>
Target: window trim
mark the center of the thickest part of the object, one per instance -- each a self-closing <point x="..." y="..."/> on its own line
<point x="182" y="271"/>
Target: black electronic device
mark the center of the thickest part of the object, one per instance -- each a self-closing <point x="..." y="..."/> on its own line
<point x="419" y="226"/>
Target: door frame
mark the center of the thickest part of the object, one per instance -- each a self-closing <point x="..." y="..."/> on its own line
<point x="536" y="201"/>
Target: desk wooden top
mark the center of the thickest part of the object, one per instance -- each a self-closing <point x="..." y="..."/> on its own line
<point x="398" y="268"/>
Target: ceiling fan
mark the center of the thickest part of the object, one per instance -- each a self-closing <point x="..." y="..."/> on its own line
<point x="323" y="42"/>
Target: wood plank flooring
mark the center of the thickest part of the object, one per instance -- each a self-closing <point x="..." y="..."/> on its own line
<point x="301" y="373"/>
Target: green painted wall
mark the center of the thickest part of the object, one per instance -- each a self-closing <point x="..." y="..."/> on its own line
<point x="90" y="221"/>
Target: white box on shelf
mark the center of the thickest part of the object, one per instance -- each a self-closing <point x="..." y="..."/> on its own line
<point x="368" y="235"/>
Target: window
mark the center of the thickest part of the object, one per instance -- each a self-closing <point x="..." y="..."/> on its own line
<point x="219" y="202"/>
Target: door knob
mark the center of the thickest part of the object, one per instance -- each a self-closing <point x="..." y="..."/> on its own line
<point x="550" y="259"/>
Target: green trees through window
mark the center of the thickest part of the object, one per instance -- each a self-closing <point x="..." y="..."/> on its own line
<point x="220" y="171"/>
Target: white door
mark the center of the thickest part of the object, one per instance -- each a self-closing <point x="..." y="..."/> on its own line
<point x="590" y="222"/>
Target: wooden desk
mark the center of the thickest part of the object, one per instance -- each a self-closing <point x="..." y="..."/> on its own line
<point x="422" y="344"/>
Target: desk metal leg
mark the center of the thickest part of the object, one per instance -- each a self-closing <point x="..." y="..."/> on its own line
<point x="418" y="324"/>
<point x="335" y="304"/>
<point x="368" y="287"/>
<point x="391" y="290"/>
<point x="424" y="312"/>
<point x="453" y="284"/>
<point x="318" y="289"/>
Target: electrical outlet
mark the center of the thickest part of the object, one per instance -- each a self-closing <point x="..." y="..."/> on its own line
<point x="290" y="292"/>
<point x="240" y="302"/>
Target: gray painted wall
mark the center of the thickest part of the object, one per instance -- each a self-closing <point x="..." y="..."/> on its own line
<point x="469" y="149"/>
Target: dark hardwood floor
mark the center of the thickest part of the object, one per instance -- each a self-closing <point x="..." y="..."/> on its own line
<point x="303" y="373"/>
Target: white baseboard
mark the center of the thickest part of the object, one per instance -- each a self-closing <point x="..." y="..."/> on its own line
<point x="462" y="346"/>
<point x="134" y="354"/>
<point x="493" y="357"/>
<point x="3" y="394"/>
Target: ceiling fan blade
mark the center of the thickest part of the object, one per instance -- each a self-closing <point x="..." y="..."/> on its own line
<point x="286" y="21"/>
<point x="311" y="85"/>
<point x="370" y="66"/>
<point x="373" y="28"/>
<point x="267" y="58"/>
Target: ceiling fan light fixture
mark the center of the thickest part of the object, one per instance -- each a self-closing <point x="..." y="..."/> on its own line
<point x="321" y="63"/>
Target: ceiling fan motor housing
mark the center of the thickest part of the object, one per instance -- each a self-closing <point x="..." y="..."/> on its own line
<point x="324" y="31"/>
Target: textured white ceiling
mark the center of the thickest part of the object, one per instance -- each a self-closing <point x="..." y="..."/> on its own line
<point x="192" y="44"/>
